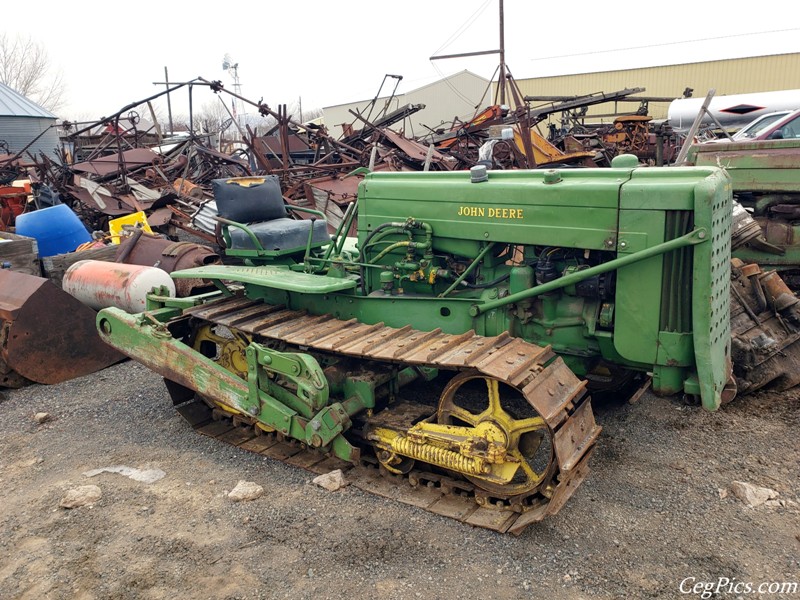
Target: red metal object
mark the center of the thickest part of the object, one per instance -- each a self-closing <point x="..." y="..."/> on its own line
<point x="168" y="256"/>
<point x="108" y="165"/>
<point x="12" y="204"/>
<point x="786" y="128"/>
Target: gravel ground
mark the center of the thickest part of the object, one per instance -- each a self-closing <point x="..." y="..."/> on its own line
<point x="649" y="516"/>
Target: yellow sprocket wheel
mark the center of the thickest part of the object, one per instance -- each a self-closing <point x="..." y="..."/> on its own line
<point x="229" y="350"/>
<point x="470" y="399"/>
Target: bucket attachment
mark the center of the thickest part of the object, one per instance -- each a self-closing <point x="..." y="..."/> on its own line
<point x="46" y="335"/>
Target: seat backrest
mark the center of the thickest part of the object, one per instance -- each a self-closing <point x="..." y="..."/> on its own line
<point x="249" y="199"/>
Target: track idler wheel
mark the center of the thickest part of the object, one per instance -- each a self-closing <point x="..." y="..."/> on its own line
<point x="471" y="399"/>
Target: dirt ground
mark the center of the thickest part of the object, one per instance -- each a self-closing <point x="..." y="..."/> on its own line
<point x="649" y="516"/>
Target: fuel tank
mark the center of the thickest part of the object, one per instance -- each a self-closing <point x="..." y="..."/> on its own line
<point x="100" y="284"/>
<point x="732" y="111"/>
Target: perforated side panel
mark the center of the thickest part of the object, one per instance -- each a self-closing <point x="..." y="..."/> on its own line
<point x="721" y="275"/>
<point x="711" y="292"/>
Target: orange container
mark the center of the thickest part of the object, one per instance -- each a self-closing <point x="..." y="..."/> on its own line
<point x="12" y="204"/>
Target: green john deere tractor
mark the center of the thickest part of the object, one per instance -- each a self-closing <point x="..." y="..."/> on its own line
<point x="517" y="288"/>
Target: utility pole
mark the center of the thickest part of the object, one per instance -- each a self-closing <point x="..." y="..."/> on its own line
<point x="502" y="56"/>
<point x="169" y="102"/>
<point x="501" y="51"/>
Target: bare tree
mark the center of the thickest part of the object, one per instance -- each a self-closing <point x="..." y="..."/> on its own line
<point x="212" y="117"/>
<point x="25" y="67"/>
<point x="309" y="114"/>
<point x="180" y="122"/>
<point x="302" y="114"/>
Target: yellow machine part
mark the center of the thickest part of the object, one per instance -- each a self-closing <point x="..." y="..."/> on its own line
<point x="544" y="152"/>
<point x="449" y="453"/>
<point x="478" y="451"/>
<point x="231" y="351"/>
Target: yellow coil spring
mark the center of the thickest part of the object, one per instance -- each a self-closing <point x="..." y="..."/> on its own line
<point x="437" y="456"/>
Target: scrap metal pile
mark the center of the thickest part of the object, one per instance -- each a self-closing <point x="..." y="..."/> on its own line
<point x="122" y="165"/>
<point x="119" y="165"/>
<point x="131" y="188"/>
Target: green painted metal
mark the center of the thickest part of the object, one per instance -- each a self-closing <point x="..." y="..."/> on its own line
<point x="301" y="370"/>
<point x="305" y="414"/>
<point x="468" y="270"/>
<point x="764" y="166"/>
<point x="302" y="409"/>
<point x="675" y="349"/>
<point x="763" y="175"/>
<point x="327" y="425"/>
<point x="451" y="315"/>
<point x="150" y="342"/>
<point x="579" y="211"/>
<point x="278" y="277"/>
<point x="711" y="277"/>
<point x="789" y="260"/>
<point x="638" y="295"/>
<point x="162" y="298"/>
<point x="623" y="265"/>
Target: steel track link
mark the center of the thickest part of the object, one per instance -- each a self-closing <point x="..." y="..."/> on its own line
<point x="537" y="373"/>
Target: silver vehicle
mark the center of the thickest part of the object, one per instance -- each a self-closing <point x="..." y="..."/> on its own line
<point x="756" y="126"/>
<point x="752" y="129"/>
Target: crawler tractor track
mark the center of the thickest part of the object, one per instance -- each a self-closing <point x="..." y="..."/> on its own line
<point x="545" y="382"/>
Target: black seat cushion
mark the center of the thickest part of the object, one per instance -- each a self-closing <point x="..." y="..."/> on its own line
<point x="280" y="234"/>
<point x="249" y="199"/>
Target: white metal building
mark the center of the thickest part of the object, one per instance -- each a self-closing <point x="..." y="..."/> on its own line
<point x="457" y="95"/>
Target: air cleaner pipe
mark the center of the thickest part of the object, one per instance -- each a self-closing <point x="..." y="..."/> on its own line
<point x="345" y="225"/>
<point x="468" y="270"/>
<point x="698" y="236"/>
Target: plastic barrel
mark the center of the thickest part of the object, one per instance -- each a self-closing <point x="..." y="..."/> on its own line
<point x="56" y="229"/>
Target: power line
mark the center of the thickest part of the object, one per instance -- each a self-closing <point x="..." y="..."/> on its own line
<point x="722" y="37"/>
<point x="454" y="89"/>
<point x="464" y="26"/>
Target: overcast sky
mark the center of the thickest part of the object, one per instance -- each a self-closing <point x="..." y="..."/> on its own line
<point x="331" y="52"/>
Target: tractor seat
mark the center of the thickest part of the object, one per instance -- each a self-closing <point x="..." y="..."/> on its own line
<point x="279" y="235"/>
<point x="260" y="218"/>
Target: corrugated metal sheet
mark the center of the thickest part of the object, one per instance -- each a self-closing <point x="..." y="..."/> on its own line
<point x="14" y="104"/>
<point x="734" y="76"/>
<point x="17" y="132"/>
<point x="335" y="116"/>
<point x="453" y="96"/>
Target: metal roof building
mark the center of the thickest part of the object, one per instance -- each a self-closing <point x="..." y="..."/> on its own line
<point x="731" y="76"/>
<point x="21" y="121"/>
<point x="454" y="96"/>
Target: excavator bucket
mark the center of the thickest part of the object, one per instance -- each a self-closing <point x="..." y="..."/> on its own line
<point x="46" y="335"/>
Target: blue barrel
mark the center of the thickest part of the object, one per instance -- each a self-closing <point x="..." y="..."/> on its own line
<point x="56" y="229"/>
